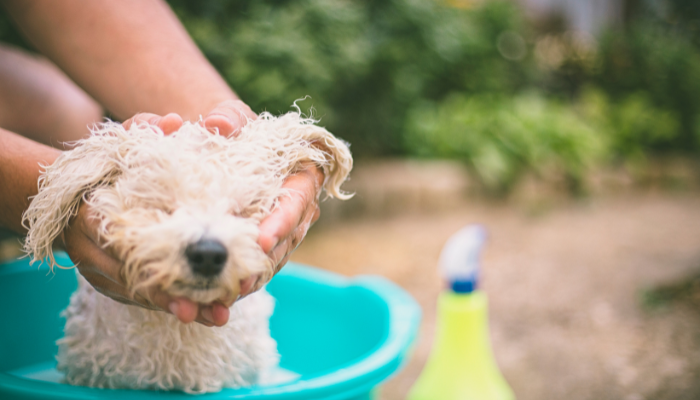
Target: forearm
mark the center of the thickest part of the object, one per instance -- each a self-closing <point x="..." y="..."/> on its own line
<point x="19" y="172"/>
<point x="131" y="55"/>
<point x="39" y="102"/>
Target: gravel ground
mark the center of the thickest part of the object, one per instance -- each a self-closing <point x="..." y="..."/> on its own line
<point x="566" y="288"/>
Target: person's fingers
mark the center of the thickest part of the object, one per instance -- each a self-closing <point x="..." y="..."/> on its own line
<point x="141" y="118"/>
<point x="302" y="196"/>
<point x="108" y="287"/>
<point x="99" y="268"/>
<point x="222" y="125"/>
<point x="220" y="314"/>
<point x="168" y="123"/>
<point x="282" y="263"/>
<point x="206" y="315"/>
<point x="86" y="254"/>
<point x="228" y="117"/>
<point x="214" y="314"/>
<point x="289" y="212"/>
<point x="184" y="309"/>
<point x="102" y="271"/>
<point x="83" y="223"/>
<point x="316" y="214"/>
<point x="283" y="230"/>
<point x="282" y="222"/>
<point x="248" y="284"/>
<point x="279" y="253"/>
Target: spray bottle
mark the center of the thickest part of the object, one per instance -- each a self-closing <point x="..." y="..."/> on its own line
<point x="461" y="365"/>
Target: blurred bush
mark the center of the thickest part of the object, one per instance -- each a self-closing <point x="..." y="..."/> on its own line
<point x="653" y="58"/>
<point x="363" y="63"/>
<point x="656" y="62"/>
<point x="633" y="125"/>
<point x="470" y="82"/>
<point x="504" y="137"/>
<point x="464" y="79"/>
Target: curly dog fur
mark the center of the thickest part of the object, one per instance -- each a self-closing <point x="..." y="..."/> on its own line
<point x="154" y="195"/>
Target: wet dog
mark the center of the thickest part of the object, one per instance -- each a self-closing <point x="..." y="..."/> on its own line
<point x="182" y="212"/>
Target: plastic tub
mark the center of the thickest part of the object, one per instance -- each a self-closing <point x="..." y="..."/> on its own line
<point x="343" y="337"/>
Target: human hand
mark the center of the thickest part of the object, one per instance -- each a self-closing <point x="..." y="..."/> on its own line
<point x="227" y="118"/>
<point x="280" y="233"/>
<point x="283" y="230"/>
<point x="103" y="271"/>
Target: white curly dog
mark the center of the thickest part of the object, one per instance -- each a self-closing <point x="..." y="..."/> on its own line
<point x="182" y="212"/>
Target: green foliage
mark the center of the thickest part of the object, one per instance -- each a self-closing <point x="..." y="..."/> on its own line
<point x="632" y="124"/>
<point x="274" y="54"/>
<point x="504" y="137"/>
<point x="661" y="66"/>
<point x="417" y="77"/>
<point x="382" y="74"/>
<point x="363" y="63"/>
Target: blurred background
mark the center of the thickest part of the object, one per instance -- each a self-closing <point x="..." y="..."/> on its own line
<point x="570" y="128"/>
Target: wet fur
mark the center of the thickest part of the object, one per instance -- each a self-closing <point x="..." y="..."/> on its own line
<point x="154" y="194"/>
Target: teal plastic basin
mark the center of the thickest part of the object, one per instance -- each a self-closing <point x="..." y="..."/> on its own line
<point x="343" y="337"/>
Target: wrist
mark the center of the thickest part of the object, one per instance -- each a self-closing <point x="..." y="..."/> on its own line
<point x="20" y="168"/>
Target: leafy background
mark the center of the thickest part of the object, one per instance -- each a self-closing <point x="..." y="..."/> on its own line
<point x="472" y="81"/>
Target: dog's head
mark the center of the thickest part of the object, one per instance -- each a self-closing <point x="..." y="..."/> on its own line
<point x="181" y="211"/>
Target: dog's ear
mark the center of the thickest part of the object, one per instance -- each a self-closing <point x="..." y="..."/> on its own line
<point x="338" y="169"/>
<point x="325" y="150"/>
<point x="94" y="162"/>
<point x="337" y="165"/>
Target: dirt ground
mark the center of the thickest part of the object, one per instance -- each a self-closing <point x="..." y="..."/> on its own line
<point x="572" y="288"/>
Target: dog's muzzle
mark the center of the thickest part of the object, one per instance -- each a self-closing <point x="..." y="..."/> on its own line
<point x="207" y="257"/>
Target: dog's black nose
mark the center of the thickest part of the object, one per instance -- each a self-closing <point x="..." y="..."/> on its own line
<point x="207" y="257"/>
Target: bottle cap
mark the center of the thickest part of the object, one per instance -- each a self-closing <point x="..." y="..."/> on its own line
<point x="459" y="260"/>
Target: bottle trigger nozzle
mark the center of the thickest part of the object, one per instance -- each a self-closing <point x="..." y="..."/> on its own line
<point x="460" y="258"/>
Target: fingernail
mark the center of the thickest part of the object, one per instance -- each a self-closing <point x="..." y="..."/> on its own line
<point x="174" y="307"/>
<point x="275" y="242"/>
<point x="207" y="314"/>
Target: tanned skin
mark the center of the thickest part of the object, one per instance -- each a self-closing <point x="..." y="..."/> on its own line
<point x="134" y="59"/>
